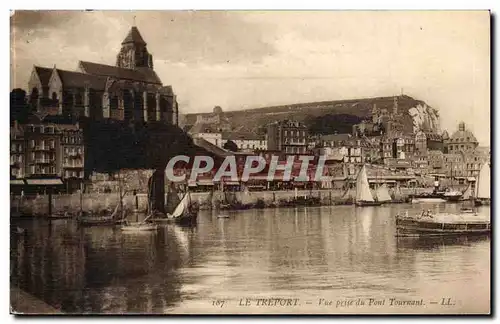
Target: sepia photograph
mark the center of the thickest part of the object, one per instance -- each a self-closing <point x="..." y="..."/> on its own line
<point x="235" y="162"/>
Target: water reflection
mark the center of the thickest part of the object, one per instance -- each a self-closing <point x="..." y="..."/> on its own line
<point x="340" y="251"/>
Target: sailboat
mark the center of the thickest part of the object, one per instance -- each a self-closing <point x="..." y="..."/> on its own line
<point x="382" y="194"/>
<point x="186" y="212"/>
<point x="364" y="196"/>
<point x="173" y="201"/>
<point x="483" y="192"/>
<point x="467" y="193"/>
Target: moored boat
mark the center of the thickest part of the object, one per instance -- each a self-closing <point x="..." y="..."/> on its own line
<point x="139" y="227"/>
<point x="186" y="212"/>
<point x="382" y="194"/>
<point x="434" y="197"/>
<point x="364" y="196"/>
<point x="452" y="195"/>
<point x="429" y="224"/>
<point x="483" y="186"/>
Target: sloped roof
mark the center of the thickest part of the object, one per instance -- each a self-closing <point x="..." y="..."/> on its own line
<point x="242" y="136"/>
<point x="141" y="74"/>
<point x="217" y="151"/>
<point x="44" y="74"/>
<point x="77" y="80"/>
<point x="204" y="128"/>
<point x="134" y="36"/>
<point x="336" y="137"/>
<point x="463" y="136"/>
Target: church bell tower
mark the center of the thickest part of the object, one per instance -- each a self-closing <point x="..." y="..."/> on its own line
<point x="134" y="53"/>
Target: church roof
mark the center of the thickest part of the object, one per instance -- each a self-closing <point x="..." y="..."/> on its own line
<point x="146" y="75"/>
<point x="80" y="80"/>
<point x="134" y="36"/>
<point x="44" y="74"/>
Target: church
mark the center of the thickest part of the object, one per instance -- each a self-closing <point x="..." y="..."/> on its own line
<point x="129" y="91"/>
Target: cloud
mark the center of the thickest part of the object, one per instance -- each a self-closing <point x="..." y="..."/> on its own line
<point x="251" y="59"/>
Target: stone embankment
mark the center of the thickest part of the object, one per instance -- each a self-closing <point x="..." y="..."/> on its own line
<point x="107" y="202"/>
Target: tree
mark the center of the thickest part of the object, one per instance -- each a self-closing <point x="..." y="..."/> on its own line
<point x="231" y="146"/>
<point x="19" y="107"/>
<point x="112" y="145"/>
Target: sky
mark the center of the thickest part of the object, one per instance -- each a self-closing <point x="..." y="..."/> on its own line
<point x="247" y="59"/>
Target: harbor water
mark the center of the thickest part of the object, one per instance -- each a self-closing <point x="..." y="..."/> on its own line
<point x="335" y="259"/>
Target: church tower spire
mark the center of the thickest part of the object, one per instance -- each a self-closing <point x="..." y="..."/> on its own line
<point x="134" y="53"/>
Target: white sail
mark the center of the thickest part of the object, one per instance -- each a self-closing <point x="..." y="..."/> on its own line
<point x="363" y="192"/>
<point x="398" y="195"/>
<point x="383" y="194"/>
<point x="483" y="183"/>
<point x="467" y="193"/>
<point x="179" y="210"/>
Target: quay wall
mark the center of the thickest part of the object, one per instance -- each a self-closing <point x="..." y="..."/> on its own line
<point x="99" y="202"/>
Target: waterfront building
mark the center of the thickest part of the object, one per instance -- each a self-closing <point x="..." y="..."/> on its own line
<point x="209" y="132"/>
<point x="17" y="147"/>
<point x="130" y="90"/>
<point x="403" y="147"/>
<point x="73" y="156"/>
<point x="462" y="140"/>
<point x="287" y="136"/>
<point x="335" y="140"/>
<point x="42" y="143"/>
<point x="43" y="152"/>
<point x="428" y="141"/>
<point x="245" y="141"/>
<point x="474" y="160"/>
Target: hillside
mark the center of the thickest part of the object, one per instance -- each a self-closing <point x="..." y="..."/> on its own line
<point x="255" y="118"/>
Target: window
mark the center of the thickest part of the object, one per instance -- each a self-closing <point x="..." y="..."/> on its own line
<point x="32" y="143"/>
<point x="32" y="156"/>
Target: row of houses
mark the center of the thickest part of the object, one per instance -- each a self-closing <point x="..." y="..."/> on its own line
<point x="45" y="153"/>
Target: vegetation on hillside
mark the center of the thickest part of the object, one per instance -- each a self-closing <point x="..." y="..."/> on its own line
<point x="331" y="124"/>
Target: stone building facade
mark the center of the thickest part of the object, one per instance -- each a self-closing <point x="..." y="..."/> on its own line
<point x="462" y="140"/>
<point x="130" y="91"/>
<point x="287" y="136"/>
<point x="41" y="149"/>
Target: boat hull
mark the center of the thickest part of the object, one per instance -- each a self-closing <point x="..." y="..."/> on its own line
<point x="134" y="228"/>
<point x="427" y="200"/>
<point x="453" y="198"/>
<point x="482" y="202"/>
<point x="368" y="203"/>
<point x="97" y="221"/>
<point x="411" y="227"/>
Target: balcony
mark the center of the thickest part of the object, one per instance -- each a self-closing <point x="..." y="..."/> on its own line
<point x="44" y="161"/>
<point x="43" y="148"/>
<point x="73" y="154"/>
<point x="73" y="165"/>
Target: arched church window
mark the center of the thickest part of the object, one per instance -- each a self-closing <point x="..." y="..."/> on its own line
<point x="54" y="96"/>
